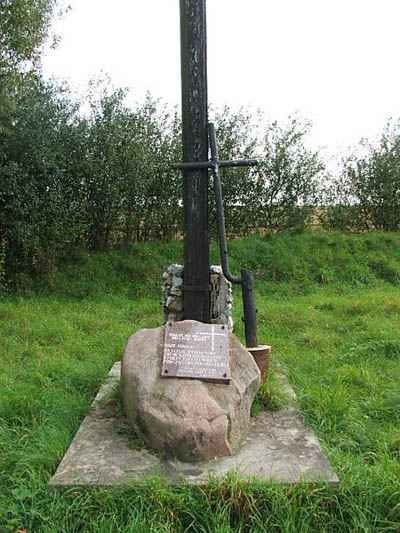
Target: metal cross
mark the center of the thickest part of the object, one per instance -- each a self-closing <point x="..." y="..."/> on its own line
<point x="246" y="279"/>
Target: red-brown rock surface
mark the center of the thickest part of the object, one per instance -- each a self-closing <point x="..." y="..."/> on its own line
<point x="185" y="418"/>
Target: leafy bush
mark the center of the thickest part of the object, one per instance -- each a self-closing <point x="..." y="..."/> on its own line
<point x="281" y="192"/>
<point x="367" y="194"/>
<point x="40" y="190"/>
<point x="286" y="181"/>
<point x="69" y="180"/>
<point x="132" y="195"/>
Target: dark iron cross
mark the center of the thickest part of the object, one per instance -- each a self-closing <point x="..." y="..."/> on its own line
<point x="196" y="133"/>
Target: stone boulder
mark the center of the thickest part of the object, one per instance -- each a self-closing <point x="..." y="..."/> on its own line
<point x="186" y="418"/>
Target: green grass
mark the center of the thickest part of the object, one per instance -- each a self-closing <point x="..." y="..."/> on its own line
<point x="329" y="304"/>
<point x="271" y="395"/>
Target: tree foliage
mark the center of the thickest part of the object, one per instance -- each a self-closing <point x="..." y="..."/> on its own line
<point x="93" y="179"/>
<point x="281" y="191"/>
<point x="288" y="176"/>
<point x="131" y="191"/>
<point x="69" y="179"/>
<point x="24" y="25"/>
<point x="367" y="193"/>
<point x="40" y="189"/>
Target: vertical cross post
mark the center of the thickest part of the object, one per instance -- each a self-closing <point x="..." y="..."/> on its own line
<point x="195" y="148"/>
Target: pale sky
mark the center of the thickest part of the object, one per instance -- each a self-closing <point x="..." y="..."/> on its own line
<point x="336" y="62"/>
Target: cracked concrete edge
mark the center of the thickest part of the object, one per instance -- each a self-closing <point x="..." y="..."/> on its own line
<point x="112" y="379"/>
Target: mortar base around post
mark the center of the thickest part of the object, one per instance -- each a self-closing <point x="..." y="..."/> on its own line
<point x="261" y="355"/>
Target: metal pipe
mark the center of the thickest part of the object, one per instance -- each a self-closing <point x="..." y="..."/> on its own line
<point x="247" y="282"/>
<point x="220" y="208"/>
<point x="249" y="309"/>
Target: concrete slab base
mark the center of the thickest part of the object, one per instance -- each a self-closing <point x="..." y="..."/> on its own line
<point x="279" y="446"/>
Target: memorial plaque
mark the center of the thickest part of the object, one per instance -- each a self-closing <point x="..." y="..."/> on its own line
<point x="197" y="351"/>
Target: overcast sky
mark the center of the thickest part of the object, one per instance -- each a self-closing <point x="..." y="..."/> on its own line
<point x="336" y="62"/>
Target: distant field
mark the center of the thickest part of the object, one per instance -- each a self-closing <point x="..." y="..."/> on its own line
<point x="329" y="304"/>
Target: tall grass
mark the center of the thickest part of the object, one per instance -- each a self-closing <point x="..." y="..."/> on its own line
<point x="329" y="305"/>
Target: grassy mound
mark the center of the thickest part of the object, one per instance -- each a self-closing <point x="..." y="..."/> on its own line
<point x="280" y="262"/>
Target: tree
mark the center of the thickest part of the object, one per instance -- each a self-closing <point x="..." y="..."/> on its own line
<point x="236" y="134"/>
<point x="287" y="178"/>
<point x="24" y="25"/>
<point x="367" y="193"/>
<point x="132" y="194"/>
<point x="41" y="198"/>
<point x="280" y="193"/>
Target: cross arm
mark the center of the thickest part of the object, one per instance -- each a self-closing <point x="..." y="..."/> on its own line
<point x="211" y="164"/>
